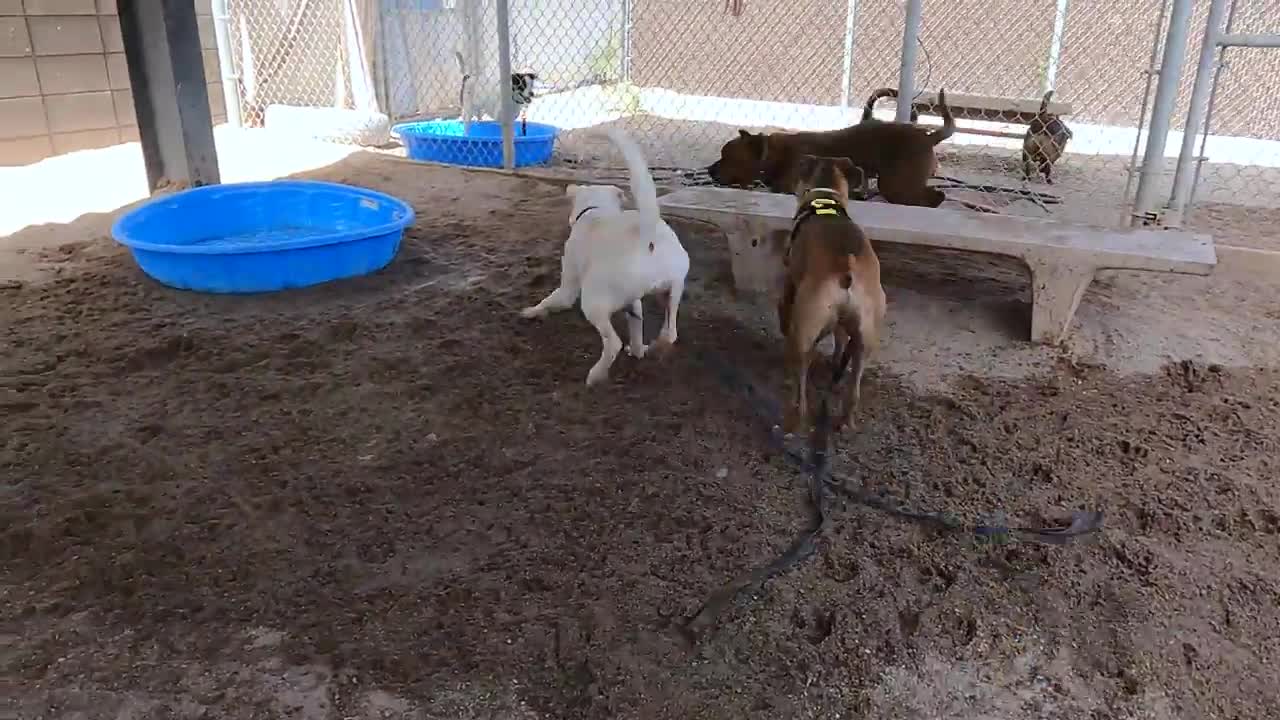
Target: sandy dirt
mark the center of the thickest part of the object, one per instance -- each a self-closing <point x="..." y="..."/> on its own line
<point x="393" y="498"/>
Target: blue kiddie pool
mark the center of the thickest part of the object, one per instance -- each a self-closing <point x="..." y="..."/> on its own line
<point x="444" y="141"/>
<point x="263" y="236"/>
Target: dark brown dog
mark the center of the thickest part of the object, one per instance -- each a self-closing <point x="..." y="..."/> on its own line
<point x="831" y="286"/>
<point x="900" y="155"/>
<point x="878" y="95"/>
<point x="1044" y="142"/>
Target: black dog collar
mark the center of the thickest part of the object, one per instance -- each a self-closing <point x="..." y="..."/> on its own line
<point x="582" y="212"/>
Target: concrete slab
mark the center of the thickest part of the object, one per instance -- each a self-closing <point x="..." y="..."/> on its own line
<point x="1062" y="258"/>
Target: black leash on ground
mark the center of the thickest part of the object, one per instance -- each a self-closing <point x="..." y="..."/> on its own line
<point x="806" y="543"/>
<point x="822" y="483"/>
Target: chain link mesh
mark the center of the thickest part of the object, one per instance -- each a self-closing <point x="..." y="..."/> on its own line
<point x="684" y="75"/>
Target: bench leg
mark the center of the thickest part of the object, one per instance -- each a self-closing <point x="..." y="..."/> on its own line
<point x="1056" y="290"/>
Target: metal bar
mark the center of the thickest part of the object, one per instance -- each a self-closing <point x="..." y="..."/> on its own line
<point x="907" y="69"/>
<point x="1175" y="49"/>
<point x="166" y="71"/>
<point x="1150" y="73"/>
<point x="626" y="41"/>
<point x="1208" y="113"/>
<point x="1055" y="47"/>
<point x="1245" y="40"/>
<point x="504" y="85"/>
<point x="230" y="80"/>
<point x="850" y="21"/>
<point x="1196" y="110"/>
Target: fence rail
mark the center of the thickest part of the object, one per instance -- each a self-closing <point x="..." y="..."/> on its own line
<point x="684" y="75"/>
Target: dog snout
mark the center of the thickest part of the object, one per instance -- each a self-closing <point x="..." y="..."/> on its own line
<point x="713" y="171"/>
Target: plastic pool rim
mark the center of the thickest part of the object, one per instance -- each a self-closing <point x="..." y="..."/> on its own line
<point x="444" y="148"/>
<point x="121" y="228"/>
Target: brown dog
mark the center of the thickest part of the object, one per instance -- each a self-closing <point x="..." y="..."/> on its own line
<point x="1044" y="142"/>
<point x="901" y="155"/>
<point x="832" y="284"/>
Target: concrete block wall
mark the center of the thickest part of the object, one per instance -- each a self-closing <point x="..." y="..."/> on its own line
<point x="63" y="81"/>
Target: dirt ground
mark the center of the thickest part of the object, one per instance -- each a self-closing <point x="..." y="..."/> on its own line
<point x="393" y="498"/>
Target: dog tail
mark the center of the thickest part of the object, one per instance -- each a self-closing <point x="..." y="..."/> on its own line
<point x="642" y="189"/>
<point x="1044" y="104"/>
<point x="877" y="96"/>
<point x="948" y="122"/>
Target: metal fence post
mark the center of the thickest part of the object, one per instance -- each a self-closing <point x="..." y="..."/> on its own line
<point x="850" y="22"/>
<point x="1175" y="48"/>
<point x="1055" y="47"/>
<point x="1198" y="106"/>
<point x="907" y="70"/>
<point x="504" y="85"/>
<point x="230" y="80"/>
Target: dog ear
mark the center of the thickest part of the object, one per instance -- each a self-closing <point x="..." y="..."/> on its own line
<point x="845" y="165"/>
<point x="744" y="133"/>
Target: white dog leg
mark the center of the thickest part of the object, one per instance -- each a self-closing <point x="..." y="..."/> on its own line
<point x="635" y="328"/>
<point x="668" y="333"/>
<point x="560" y="299"/>
<point x="600" y="317"/>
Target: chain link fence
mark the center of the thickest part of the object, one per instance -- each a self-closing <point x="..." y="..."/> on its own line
<point x="683" y="76"/>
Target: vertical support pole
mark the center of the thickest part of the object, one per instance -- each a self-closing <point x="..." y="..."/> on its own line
<point x="1197" y="108"/>
<point x="1055" y="47"/>
<point x="1208" y="113"/>
<point x="230" y="80"/>
<point x="504" y="85"/>
<point x="907" y="70"/>
<point x="1148" y="75"/>
<point x="166" y="70"/>
<point x="626" y="41"/>
<point x="850" y="22"/>
<point x="1175" y="48"/>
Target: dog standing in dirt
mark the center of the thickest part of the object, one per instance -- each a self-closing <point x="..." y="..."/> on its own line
<point x="831" y="285"/>
<point x="1045" y="141"/>
<point x="900" y="155"/>
<point x="615" y="257"/>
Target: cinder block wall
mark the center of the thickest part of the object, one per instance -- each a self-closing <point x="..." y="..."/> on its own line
<point x="63" y="81"/>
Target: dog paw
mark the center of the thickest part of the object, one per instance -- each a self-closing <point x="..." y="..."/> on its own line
<point x="638" y="352"/>
<point x="597" y="376"/>
<point x="530" y="312"/>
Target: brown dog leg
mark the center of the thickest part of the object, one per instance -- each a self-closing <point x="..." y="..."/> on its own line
<point x="808" y="316"/>
<point x="853" y="397"/>
<point x="908" y="184"/>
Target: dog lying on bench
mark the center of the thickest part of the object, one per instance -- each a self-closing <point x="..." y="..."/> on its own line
<point x="831" y="286"/>
<point x="900" y="155"/>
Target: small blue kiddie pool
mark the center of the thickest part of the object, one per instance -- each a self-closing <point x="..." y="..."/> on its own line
<point x="445" y="141"/>
<point x="263" y="236"/>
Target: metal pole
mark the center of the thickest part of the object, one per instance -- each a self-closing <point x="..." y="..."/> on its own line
<point x="1175" y="48"/>
<point x="1208" y="113"/>
<point x="1196" y="110"/>
<point x="1150" y="72"/>
<point x="230" y="80"/>
<point x="1055" y="47"/>
<point x="504" y="85"/>
<point x="850" y="20"/>
<point x="1254" y="41"/>
<point x="907" y="70"/>
<point x="626" y="41"/>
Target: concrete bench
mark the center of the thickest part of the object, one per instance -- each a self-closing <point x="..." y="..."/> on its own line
<point x="988" y="108"/>
<point x="1062" y="258"/>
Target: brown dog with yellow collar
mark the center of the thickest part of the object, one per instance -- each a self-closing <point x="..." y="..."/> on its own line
<point x="831" y="286"/>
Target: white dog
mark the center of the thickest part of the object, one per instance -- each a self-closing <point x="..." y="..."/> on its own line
<point x="614" y="257"/>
